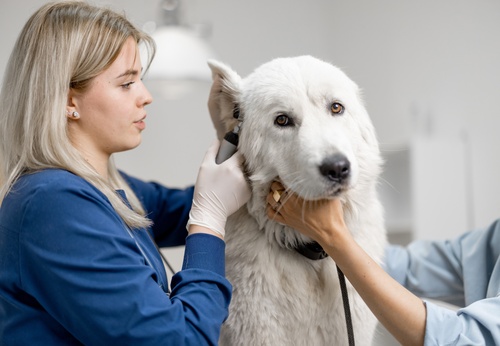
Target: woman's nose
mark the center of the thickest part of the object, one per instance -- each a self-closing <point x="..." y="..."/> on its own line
<point x="146" y="96"/>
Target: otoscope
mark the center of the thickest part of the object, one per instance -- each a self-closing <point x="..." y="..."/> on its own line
<point x="229" y="144"/>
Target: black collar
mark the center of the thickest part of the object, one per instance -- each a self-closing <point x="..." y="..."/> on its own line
<point x="312" y="250"/>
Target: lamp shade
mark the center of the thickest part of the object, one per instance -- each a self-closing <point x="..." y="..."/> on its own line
<point x="180" y="55"/>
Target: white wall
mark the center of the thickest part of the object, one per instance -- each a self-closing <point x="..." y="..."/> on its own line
<point x="429" y="69"/>
<point x="424" y="66"/>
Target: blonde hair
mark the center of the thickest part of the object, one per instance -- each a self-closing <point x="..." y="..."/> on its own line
<point x="63" y="45"/>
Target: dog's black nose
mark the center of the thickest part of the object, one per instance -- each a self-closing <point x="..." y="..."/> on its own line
<point x="336" y="168"/>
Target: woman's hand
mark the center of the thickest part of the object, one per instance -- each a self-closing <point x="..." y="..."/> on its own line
<point x="321" y="220"/>
<point x="220" y="190"/>
<point x="401" y="312"/>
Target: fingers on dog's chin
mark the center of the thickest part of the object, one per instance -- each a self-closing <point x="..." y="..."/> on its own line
<point x="273" y="214"/>
<point x="270" y="212"/>
<point x="277" y="217"/>
<point x="276" y="185"/>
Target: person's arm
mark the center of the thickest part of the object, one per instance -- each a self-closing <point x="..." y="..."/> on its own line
<point x="195" y="229"/>
<point x="81" y="265"/>
<point x="430" y="269"/>
<point x="471" y="261"/>
<point x="463" y="271"/>
<point x="401" y="312"/>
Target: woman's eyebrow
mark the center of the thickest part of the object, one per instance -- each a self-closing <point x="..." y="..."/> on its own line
<point x="130" y="72"/>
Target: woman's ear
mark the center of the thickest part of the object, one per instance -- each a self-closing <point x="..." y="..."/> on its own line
<point x="71" y="107"/>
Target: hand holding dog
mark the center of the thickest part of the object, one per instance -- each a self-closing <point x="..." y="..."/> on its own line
<point x="220" y="190"/>
<point x="401" y="312"/>
<point x="321" y="220"/>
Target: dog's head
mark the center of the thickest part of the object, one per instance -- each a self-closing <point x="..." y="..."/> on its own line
<point x="303" y="122"/>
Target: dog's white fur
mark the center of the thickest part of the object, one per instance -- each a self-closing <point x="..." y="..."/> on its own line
<point x="279" y="296"/>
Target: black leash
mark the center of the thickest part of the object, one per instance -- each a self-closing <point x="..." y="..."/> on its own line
<point x="347" y="309"/>
<point x="315" y="252"/>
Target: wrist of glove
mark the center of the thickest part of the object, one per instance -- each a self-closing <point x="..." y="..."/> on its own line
<point x="220" y="190"/>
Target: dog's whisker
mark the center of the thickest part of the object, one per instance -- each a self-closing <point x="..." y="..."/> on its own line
<point x="382" y="180"/>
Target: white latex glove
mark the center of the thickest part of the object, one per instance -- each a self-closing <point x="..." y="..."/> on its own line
<point x="214" y="107"/>
<point x="220" y="190"/>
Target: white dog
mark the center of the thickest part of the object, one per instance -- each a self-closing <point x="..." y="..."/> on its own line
<point x="303" y="122"/>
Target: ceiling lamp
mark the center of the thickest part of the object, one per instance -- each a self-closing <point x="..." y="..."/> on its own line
<point x="180" y="63"/>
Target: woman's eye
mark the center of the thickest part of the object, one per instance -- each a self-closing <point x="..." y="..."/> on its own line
<point x="127" y="85"/>
<point x="337" y="108"/>
<point x="283" y="120"/>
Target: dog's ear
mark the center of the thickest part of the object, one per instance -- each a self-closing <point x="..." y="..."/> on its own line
<point x="229" y="95"/>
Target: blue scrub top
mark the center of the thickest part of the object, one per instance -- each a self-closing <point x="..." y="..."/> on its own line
<point x="71" y="272"/>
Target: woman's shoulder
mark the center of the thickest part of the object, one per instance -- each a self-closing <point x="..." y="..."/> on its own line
<point x="49" y="175"/>
<point x="50" y="185"/>
<point x="51" y="194"/>
<point x="51" y="178"/>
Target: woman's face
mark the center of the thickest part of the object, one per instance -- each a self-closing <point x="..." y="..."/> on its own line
<point x="111" y="110"/>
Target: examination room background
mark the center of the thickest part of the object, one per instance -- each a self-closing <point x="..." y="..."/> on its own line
<point x="430" y="74"/>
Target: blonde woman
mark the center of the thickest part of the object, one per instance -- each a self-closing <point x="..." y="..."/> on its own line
<point x="78" y="264"/>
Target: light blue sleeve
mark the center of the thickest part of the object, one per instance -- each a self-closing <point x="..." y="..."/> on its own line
<point x="428" y="269"/>
<point x="464" y="272"/>
<point x="477" y="324"/>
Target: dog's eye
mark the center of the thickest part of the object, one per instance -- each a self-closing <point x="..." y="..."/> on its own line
<point x="283" y="120"/>
<point x="337" y="108"/>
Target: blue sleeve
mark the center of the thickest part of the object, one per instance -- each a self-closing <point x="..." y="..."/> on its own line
<point x="203" y="253"/>
<point x="477" y="324"/>
<point x="428" y="269"/>
<point x="167" y="208"/>
<point x="464" y="272"/>
<point x="82" y="267"/>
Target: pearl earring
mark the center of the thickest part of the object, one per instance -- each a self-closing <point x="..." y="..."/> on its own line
<point x="74" y="114"/>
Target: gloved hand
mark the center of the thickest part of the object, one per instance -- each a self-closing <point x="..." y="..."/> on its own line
<point x="220" y="190"/>
<point x="214" y="106"/>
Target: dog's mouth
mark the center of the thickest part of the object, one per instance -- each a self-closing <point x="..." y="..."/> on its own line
<point x="334" y="193"/>
<point x="327" y="190"/>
